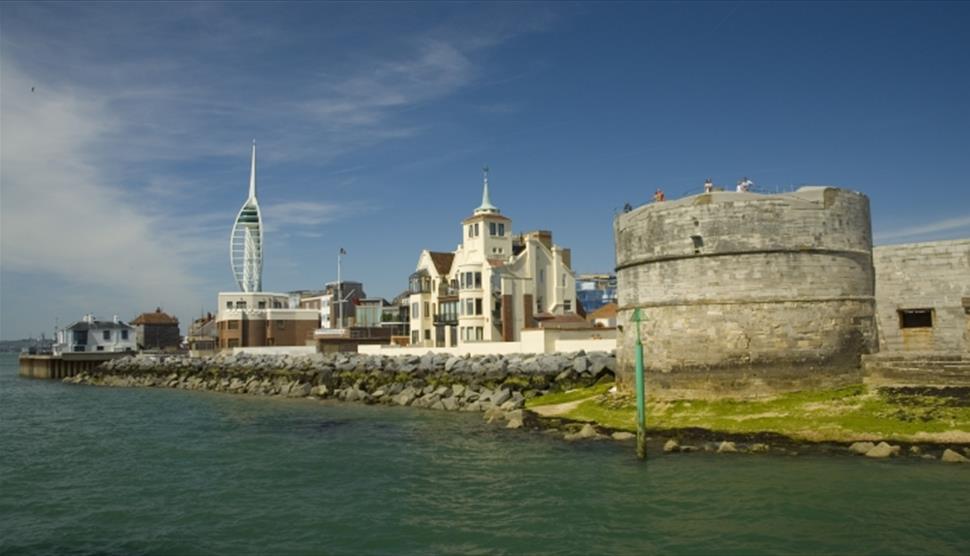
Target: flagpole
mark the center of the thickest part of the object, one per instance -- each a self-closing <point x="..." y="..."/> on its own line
<point x="340" y="294"/>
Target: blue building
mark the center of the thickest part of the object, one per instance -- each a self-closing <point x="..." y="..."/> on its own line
<point x="595" y="290"/>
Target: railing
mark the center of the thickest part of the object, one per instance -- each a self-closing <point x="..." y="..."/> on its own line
<point x="448" y="319"/>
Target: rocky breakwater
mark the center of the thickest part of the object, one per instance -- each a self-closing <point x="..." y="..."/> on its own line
<point x="496" y="384"/>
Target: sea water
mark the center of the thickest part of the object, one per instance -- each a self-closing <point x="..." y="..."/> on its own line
<point x="94" y="470"/>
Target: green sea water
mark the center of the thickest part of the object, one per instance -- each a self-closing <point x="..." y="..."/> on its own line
<point x="89" y="470"/>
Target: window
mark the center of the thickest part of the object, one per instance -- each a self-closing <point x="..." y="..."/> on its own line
<point x="492" y="229"/>
<point x="478" y="306"/>
<point x="228" y="304"/>
<point x="415" y="313"/>
<point x="414" y="336"/>
<point x="124" y="334"/>
<point x="469" y="307"/>
<point x="232" y="325"/>
<point x="538" y="304"/>
<point x="476" y="230"/>
<point x="469" y="230"/>
<point x="277" y="305"/>
<point x="563" y="280"/>
<point x="427" y="334"/>
<point x="542" y="275"/>
<point x="106" y="335"/>
<point x="916" y="318"/>
<point x="567" y="305"/>
<point x="478" y="279"/>
<point x="479" y="333"/>
<point x="262" y="304"/>
<point x="427" y="312"/>
<point x="501" y="229"/>
<point x="100" y="348"/>
<point x="240" y="305"/>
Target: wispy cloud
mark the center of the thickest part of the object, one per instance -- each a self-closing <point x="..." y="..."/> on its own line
<point x="947" y="226"/>
<point x="60" y="214"/>
<point x="116" y="167"/>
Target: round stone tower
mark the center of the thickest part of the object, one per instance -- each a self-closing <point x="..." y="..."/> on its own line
<point x="744" y="294"/>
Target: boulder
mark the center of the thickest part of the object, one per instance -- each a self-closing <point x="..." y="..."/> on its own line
<point x="758" y="448"/>
<point x="952" y="456"/>
<point x="882" y="450"/>
<point x="515" y="419"/>
<point x="299" y="390"/>
<point x="671" y="446"/>
<point x="587" y="432"/>
<point x="405" y="398"/>
<point x="623" y="435"/>
<point x="493" y="414"/>
<point x="861" y="447"/>
<point x="726" y="447"/>
<point x="450" y="403"/>
<point x="580" y="364"/>
<point x="501" y="396"/>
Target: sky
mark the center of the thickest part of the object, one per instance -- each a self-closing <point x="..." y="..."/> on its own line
<point x="125" y="132"/>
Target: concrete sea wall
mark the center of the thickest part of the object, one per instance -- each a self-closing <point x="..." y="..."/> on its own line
<point x="434" y="381"/>
<point x="746" y="294"/>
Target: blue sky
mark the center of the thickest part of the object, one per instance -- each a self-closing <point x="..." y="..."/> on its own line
<point x="122" y="171"/>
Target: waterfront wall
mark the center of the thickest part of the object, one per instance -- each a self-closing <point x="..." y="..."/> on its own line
<point x="533" y="341"/>
<point x="932" y="277"/>
<point x="436" y="381"/>
<point x="746" y="294"/>
<point x="917" y="369"/>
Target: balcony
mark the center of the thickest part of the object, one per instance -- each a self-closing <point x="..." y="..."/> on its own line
<point x="446" y="320"/>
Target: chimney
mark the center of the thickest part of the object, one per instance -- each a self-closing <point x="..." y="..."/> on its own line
<point x="115" y="319"/>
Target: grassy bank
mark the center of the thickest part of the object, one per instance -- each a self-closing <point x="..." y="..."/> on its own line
<point x="842" y="415"/>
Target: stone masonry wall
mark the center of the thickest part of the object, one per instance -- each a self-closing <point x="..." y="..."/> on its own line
<point x="933" y="275"/>
<point x="747" y="294"/>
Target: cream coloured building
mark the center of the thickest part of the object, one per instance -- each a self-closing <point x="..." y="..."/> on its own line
<point x="492" y="286"/>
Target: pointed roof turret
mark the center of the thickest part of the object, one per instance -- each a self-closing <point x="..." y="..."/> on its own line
<point x="486" y="207"/>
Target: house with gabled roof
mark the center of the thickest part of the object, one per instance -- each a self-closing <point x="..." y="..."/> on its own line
<point x="491" y="287"/>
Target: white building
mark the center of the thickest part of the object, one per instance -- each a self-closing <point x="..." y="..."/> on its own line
<point x="494" y="285"/>
<point x="92" y="335"/>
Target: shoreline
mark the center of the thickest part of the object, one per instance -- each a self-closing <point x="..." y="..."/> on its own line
<point x="508" y="390"/>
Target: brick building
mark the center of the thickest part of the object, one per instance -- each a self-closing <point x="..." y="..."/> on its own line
<point x="157" y="330"/>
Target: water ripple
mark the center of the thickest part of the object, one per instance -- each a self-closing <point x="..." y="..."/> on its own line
<point x="146" y="471"/>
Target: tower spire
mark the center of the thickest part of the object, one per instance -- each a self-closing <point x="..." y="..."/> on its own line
<point x="486" y="206"/>
<point x="252" y="174"/>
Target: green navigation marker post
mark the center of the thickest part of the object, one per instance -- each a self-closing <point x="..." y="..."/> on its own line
<point x="641" y="412"/>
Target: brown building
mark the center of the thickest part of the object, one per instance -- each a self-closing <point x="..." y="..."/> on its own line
<point x="263" y="319"/>
<point x="157" y="330"/>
